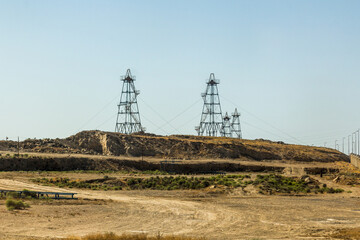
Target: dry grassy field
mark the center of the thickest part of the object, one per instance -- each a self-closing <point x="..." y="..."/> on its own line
<point x="219" y="189"/>
<point x="209" y="213"/>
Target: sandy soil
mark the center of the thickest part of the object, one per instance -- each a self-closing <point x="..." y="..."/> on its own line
<point x="236" y="215"/>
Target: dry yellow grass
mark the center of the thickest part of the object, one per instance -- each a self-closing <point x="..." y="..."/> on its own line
<point x="347" y="167"/>
<point x="112" y="236"/>
<point x="348" y="234"/>
<point x="287" y="151"/>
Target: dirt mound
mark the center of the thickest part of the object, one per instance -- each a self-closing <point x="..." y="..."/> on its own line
<point x="194" y="147"/>
<point x="177" y="147"/>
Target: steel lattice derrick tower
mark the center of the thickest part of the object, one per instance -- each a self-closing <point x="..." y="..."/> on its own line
<point x="128" y="117"/>
<point x="226" y="127"/>
<point x="211" y="117"/>
<point x="235" y="125"/>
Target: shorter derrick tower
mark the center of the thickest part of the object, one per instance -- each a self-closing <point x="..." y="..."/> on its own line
<point x="226" y="129"/>
<point x="235" y="125"/>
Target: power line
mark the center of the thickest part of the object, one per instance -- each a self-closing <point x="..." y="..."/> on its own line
<point x="166" y="132"/>
<point x="258" y="118"/>
<point x="192" y="119"/>
<point x="158" y="114"/>
<point x="101" y="110"/>
<point x="188" y="108"/>
<point x="181" y="113"/>
<point x="112" y="117"/>
<point x="258" y="128"/>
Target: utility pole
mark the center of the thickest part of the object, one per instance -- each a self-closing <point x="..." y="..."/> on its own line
<point x="343" y="144"/>
<point x="128" y="118"/>
<point x="211" y="116"/>
<point x="336" y="144"/>
<point x="355" y="143"/>
<point x="358" y="152"/>
<point x="18" y="147"/>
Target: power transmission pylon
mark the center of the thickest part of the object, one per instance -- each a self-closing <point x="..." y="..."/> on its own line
<point x="211" y="117"/>
<point x="128" y="118"/>
<point x="235" y="125"/>
<point x="226" y="130"/>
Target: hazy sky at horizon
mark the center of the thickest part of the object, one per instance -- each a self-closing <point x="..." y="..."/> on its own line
<point x="290" y="67"/>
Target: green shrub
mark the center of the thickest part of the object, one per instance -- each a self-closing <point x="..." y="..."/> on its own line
<point x="29" y="194"/>
<point x="268" y="184"/>
<point x="12" y="195"/>
<point x="276" y="183"/>
<point x="12" y="204"/>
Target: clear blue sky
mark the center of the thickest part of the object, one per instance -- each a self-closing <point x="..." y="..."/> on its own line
<point x="291" y="67"/>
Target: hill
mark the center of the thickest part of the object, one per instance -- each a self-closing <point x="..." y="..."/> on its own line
<point x="176" y="147"/>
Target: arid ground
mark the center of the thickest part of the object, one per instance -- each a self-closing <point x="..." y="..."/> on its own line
<point x="221" y="210"/>
<point x="233" y="214"/>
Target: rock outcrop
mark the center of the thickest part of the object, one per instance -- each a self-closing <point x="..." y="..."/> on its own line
<point x="177" y="147"/>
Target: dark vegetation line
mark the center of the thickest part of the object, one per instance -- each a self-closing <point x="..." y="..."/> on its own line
<point x="42" y="163"/>
<point x="266" y="184"/>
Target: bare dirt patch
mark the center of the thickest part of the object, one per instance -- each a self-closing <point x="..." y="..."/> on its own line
<point x="193" y="213"/>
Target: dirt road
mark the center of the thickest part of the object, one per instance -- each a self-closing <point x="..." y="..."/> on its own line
<point x="192" y="213"/>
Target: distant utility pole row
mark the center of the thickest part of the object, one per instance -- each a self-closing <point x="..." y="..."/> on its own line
<point x="212" y="122"/>
<point x="350" y="144"/>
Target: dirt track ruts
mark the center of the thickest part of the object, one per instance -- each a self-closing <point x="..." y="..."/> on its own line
<point x="235" y="216"/>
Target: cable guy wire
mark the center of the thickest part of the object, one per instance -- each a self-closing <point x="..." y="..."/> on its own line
<point x="102" y="109"/>
<point x="269" y="124"/>
<point x="158" y="114"/>
<point x="181" y="113"/>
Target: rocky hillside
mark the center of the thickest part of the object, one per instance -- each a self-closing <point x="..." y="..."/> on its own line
<point x="176" y="147"/>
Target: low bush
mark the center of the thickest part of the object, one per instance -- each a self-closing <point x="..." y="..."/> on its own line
<point x="29" y="194"/>
<point x="156" y="183"/>
<point x="12" y="204"/>
<point x="267" y="184"/>
<point x="272" y="184"/>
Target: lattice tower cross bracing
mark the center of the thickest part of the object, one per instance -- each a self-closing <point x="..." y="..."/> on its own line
<point x="235" y="125"/>
<point x="226" y="129"/>
<point x="128" y="117"/>
<point x="211" y="117"/>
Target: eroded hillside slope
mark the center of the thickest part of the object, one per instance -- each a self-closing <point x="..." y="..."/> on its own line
<point x="176" y="147"/>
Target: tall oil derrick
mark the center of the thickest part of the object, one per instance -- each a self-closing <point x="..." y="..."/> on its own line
<point x="128" y="117"/>
<point x="235" y="125"/>
<point x="211" y="117"/>
<point x="226" y="130"/>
